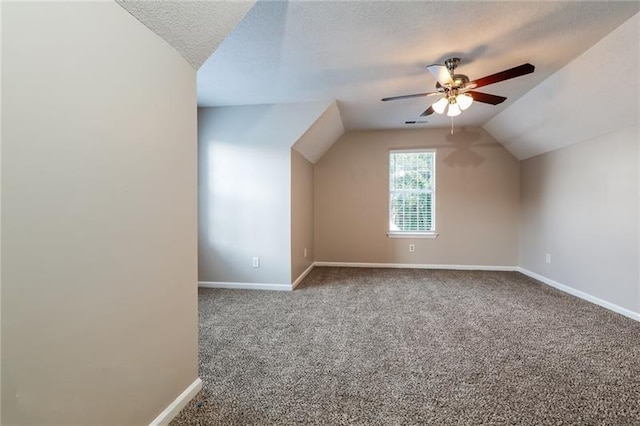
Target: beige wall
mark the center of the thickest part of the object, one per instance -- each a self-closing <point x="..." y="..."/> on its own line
<point x="245" y="189"/>
<point x="580" y="205"/>
<point x="99" y="302"/>
<point x="301" y="214"/>
<point x="476" y="200"/>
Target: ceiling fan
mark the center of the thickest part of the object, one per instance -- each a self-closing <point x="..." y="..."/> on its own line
<point x="457" y="91"/>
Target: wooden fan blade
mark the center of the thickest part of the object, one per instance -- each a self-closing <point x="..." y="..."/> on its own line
<point x="504" y="75"/>
<point x="415" y="95"/>
<point x="441" y="73"/>
<point x="428" y="111"/>
<point x="486" y="97"/>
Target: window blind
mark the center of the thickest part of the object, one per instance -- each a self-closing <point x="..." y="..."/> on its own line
<point x="411" y="191"/>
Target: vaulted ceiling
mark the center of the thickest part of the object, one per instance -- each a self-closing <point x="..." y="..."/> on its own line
<point x="360" y="52"/>
<point x="357" y="52"/>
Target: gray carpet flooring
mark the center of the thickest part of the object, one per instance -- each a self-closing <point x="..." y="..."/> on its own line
<point x="408" y="347"/>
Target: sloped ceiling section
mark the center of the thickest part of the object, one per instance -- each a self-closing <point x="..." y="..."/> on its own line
<point x="322" y="134"/>
<point x="194" y="28"/>
<point x="273" y="126"/>
<point x="595" y="94"/>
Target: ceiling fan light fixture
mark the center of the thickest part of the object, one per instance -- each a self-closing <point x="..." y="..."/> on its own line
<point x="440" y="105"/>
<point x="464" y="101"/>
<point x="455" y="88"/>
<point x="454" y="109"/>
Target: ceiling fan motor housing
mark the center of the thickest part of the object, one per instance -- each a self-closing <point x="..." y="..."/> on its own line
<point x="459" y="82"/>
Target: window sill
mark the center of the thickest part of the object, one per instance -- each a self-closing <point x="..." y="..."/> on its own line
<point x="412" y="235"/>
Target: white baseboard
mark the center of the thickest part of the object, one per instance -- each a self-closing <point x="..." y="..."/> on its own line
<point x="582" y="295"/>
<point x="417" y="266"/>
<point x="289" y="287"/>
<point x="301" y="277"/>
<point x="178" y="404"/>
<point x="256" y="286"/>
<point x="246" y="286"/>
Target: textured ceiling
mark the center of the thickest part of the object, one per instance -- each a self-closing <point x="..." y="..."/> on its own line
<point x="193" y="28"/>
<point x="360" y="52"/>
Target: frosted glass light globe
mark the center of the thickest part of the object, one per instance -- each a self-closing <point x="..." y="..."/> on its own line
<point x="464" y="101"/>
<point x="440" y="106"/>
<point x="454" y="110"/>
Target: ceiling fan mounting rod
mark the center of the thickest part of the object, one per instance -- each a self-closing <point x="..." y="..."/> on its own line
<point x="452" y="64"/>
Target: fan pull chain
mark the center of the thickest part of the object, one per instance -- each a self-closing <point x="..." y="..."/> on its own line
<point x="452" y="125"/>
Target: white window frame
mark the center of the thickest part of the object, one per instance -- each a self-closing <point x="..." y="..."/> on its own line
<point x="412" y="234"/>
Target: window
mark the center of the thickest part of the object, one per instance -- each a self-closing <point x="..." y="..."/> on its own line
<point x="412" y="193"/>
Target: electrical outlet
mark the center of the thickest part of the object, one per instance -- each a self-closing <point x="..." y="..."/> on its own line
<point x="255" y="262"/>
<point x="547" y="258"/>
<point x="412" y="248"/>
